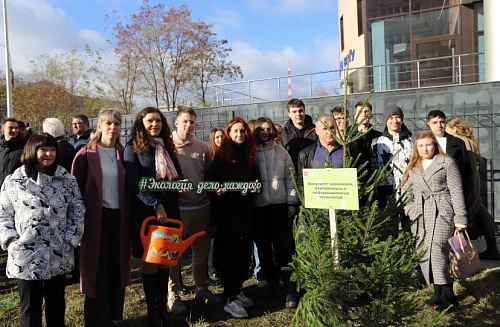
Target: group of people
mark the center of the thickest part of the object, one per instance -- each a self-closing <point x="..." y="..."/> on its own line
<point x="57" y="195"/>
<point x="436" y="175"/>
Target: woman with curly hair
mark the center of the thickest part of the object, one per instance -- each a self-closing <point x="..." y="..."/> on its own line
<point x="233" y="212"/>
<point x="478" y="213"/>
<point x="151" y="153"/>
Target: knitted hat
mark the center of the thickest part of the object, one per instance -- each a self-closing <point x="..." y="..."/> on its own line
<point x="391" y="110"/>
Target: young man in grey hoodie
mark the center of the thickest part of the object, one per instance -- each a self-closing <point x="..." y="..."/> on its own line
<point x="194" y="158"/>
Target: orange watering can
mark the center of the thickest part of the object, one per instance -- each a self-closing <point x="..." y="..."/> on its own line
<point x="163" y="245"/>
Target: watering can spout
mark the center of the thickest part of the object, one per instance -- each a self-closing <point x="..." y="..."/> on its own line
<point x="188" y="241"/>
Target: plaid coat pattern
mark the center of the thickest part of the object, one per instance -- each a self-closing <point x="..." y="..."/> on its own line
<point x="436" y="206"/>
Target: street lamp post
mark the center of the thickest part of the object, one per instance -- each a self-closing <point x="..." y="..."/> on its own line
<point x="8" y="70"/>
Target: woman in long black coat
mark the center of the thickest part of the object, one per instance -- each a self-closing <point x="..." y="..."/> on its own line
<point x="151" y="153"/>
<point x="233" y="212"/>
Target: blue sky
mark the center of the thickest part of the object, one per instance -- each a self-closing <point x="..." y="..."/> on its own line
<point x="265" y="35"/>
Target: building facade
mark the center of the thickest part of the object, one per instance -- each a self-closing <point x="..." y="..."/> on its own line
<point x="397" y="44"/>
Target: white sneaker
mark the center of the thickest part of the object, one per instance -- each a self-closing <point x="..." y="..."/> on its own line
<point x="235" y="309"/>
<point x="245" y="302"/>
<point x="175" y="304"/>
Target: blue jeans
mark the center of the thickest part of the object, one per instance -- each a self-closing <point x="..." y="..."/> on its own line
<point x="257" y="271"/>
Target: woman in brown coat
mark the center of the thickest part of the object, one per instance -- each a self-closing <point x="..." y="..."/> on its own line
<point x="105" y="250"/>
<point x="436" y="208"/>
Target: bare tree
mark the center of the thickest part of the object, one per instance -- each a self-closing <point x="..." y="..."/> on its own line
<point x="210" y="64"/>
<point x="173" y="53"/>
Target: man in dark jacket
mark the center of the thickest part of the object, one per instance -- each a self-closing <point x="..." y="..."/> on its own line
<point x="11" y="147"/>
<point x="81" y="132"/>
<point x="298" y="131"/>
<point x="323" y="153"/>
<point x="361" y="149"/>
<point x="453" y="146"/>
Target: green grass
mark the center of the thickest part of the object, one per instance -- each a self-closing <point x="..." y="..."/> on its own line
<point x="479" y="298"/>
<point x="9" y="304"/>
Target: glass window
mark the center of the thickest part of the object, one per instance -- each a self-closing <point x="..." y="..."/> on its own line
<point x="480" y="42"/>
<point x="417" y="5"/>
<point x="479" y="17"/>
<point x="390" y="44"/>
<point x="342" y="33"/>
<point x="360" y="17"/>
<point x="382" y="8"/>
<point x="435" y="23"/>
<point x="434" y="70"/>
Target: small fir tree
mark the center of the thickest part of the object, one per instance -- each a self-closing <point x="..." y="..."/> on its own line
<point x="369" y="286"/>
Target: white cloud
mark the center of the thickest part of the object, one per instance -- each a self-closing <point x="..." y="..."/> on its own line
<point x="223" y="19"/>
<point x="37" y="27"/>
<point x="92" y="37"/>
<point x="329" y="50"/>
<point x="257" y="64"/>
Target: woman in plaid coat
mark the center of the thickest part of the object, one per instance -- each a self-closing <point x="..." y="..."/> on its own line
<point x="436" y="208"/>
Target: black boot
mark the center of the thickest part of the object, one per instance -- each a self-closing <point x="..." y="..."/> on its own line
<point x="151" y="293"/>
<point x="436" y="298"/>
<point x="161" y="299"/>
<point x="292" y="298"/>
<point x="448" y="298"/>
<point x="491" y="252"/>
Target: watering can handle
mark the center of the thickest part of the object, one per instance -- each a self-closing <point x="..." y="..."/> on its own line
<point x="145" y="238"/>
<point x="169" y="220"/>
<point x="145" y="223"/>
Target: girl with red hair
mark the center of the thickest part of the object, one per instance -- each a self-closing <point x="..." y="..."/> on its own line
<point x="233" y="212"/>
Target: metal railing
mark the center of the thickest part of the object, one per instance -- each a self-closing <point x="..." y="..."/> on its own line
<point x="446" y="70"/>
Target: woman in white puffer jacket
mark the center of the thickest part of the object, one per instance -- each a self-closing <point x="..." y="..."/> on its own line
<point x="41" y="222"/>
<point x="275" y="207"/>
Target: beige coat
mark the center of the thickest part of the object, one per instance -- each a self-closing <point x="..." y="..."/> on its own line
<point x="436" y="207"/>
<point x="275" y="167"/>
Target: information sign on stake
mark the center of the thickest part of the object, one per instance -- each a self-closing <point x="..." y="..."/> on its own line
<point x="331" y="188"/>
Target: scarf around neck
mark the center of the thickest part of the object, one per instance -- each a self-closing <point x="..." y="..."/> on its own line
<point x="165" y="168"/>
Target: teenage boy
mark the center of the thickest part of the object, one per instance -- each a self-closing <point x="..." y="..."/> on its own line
<point x="194" y="158"/>
<point x="453" y="146"/>
<point x="298" y="131"/>
<point x="395" y="142"/>
<point x="361" y="149"/>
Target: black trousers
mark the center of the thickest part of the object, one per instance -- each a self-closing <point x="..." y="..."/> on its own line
<point x="273" y="236"/>
<point x="32" y="294"/>
<point x="235" y="256"/>
<point x="110" y="296"/>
